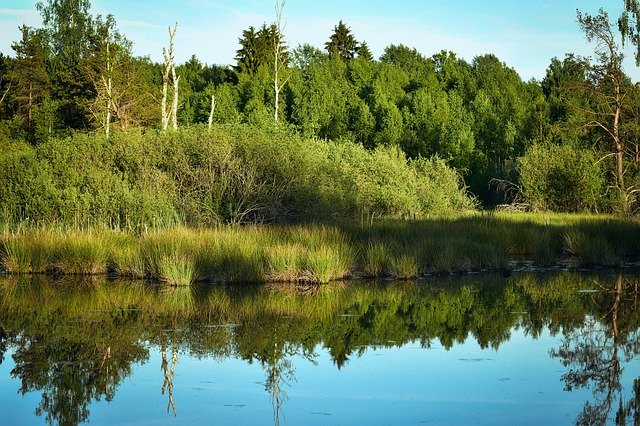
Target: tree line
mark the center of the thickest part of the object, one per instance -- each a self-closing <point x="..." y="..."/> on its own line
<point x="570" y="142"/>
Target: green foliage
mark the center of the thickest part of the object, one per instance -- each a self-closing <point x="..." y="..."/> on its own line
<point x="561" y="178"/>
<point x="227" y="174"/>
<point x="342" y="44"/>
<point x="257" y="48"/>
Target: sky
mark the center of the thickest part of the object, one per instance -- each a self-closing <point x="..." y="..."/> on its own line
<point x="524" y="34"/>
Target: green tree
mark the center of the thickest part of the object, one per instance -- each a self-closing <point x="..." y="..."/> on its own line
<point x="499" y="112"/>
<point x="364" y="52"/>
<point x="247" y="56"/>
<point x="29" y="74"/>
<point x="109" y="58"/>
<point x="257" y="48"/>
<point x="629" y="26"/>
<point x="561" y="178"/>
<point x="342" y="43"/>
<point x="305" y="55"/>
<point x="69" y="27"/>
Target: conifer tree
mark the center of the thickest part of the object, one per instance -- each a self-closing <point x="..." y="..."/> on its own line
<point x="342" y="43"/>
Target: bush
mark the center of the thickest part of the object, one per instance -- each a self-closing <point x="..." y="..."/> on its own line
<point x="227" y="174"/>
<point x="561" y="178"/>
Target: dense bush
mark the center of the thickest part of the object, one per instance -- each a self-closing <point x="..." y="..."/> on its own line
<point x="561" y="178"/>
<point x="227" y="174"/>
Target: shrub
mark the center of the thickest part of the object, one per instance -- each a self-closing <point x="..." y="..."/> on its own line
<point x="561" y="178"/>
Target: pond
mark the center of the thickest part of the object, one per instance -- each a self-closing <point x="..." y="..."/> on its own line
<point x="555" y="348"/>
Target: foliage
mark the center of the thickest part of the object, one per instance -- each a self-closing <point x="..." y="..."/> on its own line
<point x="342" y="44"/>
<point x="477" y="117"/>
<point x="561" y="178"/>
<point x="227" y="174"/>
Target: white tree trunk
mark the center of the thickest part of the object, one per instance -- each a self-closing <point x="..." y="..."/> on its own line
<point x="169" y="114"/>
<point x="213" y="108"/>
<point x="278" y="60"/>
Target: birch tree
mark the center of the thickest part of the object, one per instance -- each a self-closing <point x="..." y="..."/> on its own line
<point x="629" y="25"/>
<point x="110" y="54"/>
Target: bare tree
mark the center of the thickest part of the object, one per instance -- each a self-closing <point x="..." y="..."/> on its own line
<point x="213" y="108"/>
<point x="5" y="93"/>
<point x="169" y="114"/>
<point x="279" y="59"/>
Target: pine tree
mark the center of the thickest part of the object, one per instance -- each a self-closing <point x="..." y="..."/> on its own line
<point x="342" y="43"/>
<point x="257" y="48"/>
<point x="364" y="52"/>
<point x="29" y="73"/>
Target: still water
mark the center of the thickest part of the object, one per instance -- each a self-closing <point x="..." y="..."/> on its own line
<point x="558" y="348"/>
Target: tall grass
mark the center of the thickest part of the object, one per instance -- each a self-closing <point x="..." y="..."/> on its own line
<point x="314" y="253"/>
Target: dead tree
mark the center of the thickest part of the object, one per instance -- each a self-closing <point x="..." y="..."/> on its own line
<point x="169" y="114"/>
<point x="279" y="60"/>
<point x="213" y="108"/>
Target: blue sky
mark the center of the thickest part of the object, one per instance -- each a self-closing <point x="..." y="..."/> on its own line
<point x="525" y="34"/>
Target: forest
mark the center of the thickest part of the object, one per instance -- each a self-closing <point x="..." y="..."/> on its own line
<point x="90" y="133"/>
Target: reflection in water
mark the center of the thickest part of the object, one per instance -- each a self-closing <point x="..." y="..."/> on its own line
<point x="593" y="352"/>
<point x="75" y="342"/>
<point x="168" y="372"/>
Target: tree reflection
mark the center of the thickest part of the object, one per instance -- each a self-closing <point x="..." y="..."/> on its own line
<point x="3" y="343"/>
<point x="75" y="344"/>
<point x="70" y="375"/>
<point x="168" y="372"/>
<point x="594" y="353"/>
<point x="280" y="373"/>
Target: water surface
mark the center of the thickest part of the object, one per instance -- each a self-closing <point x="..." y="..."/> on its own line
<point x="531" y="349"/>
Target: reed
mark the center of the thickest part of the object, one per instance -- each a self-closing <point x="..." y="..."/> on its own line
<point x="81" y="253"/>
<point x="285" y="262"/>
<point x="16" y="255"/>
<point x="327" y="263"/>
<point x="375" y="259"/>
<point x="318" y="253"/>
<point x="403" y="267"/>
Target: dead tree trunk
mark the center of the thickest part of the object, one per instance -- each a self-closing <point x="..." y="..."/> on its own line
<point x="213" y="108"/>
<point x="169" y="114"/>
<point x="108" y="83"/>
<point x="279" y="61"/>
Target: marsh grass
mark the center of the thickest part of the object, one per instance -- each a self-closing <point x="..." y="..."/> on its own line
<point x="285" y="262"/>
<point x="403" y="267"/>
<point x="375" y="259"/>
<point x="319" y="254"/>
<point x="16" y="255"/>
<point x="81" y="253"/>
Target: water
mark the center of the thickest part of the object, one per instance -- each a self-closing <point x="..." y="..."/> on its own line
<point x="530" y="349"/>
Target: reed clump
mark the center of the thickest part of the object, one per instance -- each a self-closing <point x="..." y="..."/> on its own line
<point x="180" y="256"/>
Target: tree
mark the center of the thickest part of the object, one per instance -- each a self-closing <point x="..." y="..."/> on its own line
<point x="364" y="52"/>
<point x="30" y="72"/>
<point x="607" y="91"/>
<point x="258" y="48"/>
<point x="170" y="68"/>
<point x="629" y="26"/>
<point x="69" y="27"/>
<point x="110" y="55"/>
<point x="279" y="58"/>
<point x="5" y="82"/>
<point x="342" y="43"/>
<point x="305" y="55"/>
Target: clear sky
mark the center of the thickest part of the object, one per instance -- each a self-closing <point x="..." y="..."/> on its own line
<point x="525" y="34"/>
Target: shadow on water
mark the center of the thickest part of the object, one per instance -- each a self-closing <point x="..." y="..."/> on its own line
<point x="74" y="341"/>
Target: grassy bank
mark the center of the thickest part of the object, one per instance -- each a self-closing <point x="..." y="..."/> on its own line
<point x="316" y="253"/>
